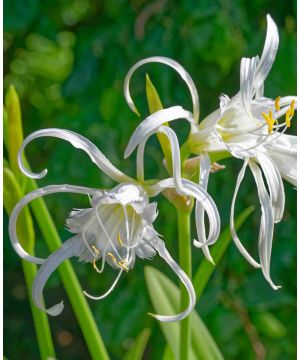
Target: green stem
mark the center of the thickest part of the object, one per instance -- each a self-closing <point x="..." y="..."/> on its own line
<point x="40" y="318"/>
<point x="185" y="259"/>
<point x="79" y="304"/>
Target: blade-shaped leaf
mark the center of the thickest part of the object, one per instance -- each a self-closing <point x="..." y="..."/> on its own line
<point x="165" y="297"/>
<point x="139" y="346"/>
<point x="14" y="129"/>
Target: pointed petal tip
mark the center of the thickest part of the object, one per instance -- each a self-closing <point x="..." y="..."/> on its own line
<point x="197" y="244"/>
<point x="56" y="309"/>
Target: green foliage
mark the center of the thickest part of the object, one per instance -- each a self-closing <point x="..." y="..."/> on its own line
<point x="137" y="350"/>
<point x="166" y="300"/>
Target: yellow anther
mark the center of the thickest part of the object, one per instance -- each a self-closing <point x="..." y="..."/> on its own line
<point x="288" y="117"/>
<point x="112" y="257"/>
<point x="269" y="120"/>
<point x="95" y="266"/>
<point x="122" y="264"/>
<point x="277" y="106"/>
<point x="120" y="240"/>
<point x="292" y="108"/>
<point x="95" y="250"/>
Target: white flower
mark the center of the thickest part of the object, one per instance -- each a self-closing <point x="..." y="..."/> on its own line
<point x="247" y="127"/>
<point x="116" y="228"/>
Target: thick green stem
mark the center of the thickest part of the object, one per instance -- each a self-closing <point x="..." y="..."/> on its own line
<point x="185" y="259"/>
<point x="40" y="318"/>
<point x="79" y="304"/>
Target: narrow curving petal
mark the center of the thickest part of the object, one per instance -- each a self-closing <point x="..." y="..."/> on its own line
<point x="275" y="185"/>
<point x="51" y="189"/>
<point x="266" y="225"/>
<point x="100" y="297"/>
<point x="200" y="223"/>
<point x="269" y="53"/>
<point x="140" y="172"/>
<point x="247" y="73"/>
<point x="163" y="252"/>
<point x="235" y="238"/>
<point x="66" y="251"/>
<point x="79" y="142"/>
<point x="284" y="153"/>
<point x="176" y="158"/>
<point x="153" y="122"/>
<point x="178" y="68"/>
<point x="210" y="208"/>
<point x="194" y="190"/>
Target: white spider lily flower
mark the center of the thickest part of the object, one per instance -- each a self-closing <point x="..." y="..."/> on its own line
<point x="117" y="228"/>
<point x="247" y="127"/>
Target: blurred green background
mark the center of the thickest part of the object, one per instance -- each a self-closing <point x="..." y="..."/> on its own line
<point x="67" y="60"/>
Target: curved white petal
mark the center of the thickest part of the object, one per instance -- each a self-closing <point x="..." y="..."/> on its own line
<point x="77" y="141"/>
<point x="177" y="67"/>
<point x="269" y="52"/>
<point x="235" y="238"/>
<point x="247" y="73"/>
<point x="284" y="153"/>
<point x="66" y="251"/>
<point x="51" y="189"/>
<point x="200" y="195"/>
<point x="153" y="122"/>
<point x="176" y="158"/>
<point x="100" y="297"/>
<point x="275" y="185"/>
<point x="163" y="252"/>
<point x="266" y="225"/>
<point x="140" y="173"/>
<point x="200" y="223"/>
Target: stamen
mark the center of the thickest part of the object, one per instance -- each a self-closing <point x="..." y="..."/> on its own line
<point x="269" y="120"/>
<point x="97" y="253"/>
<point x="122" y="264"/>
<point x="292" y="108"/>
<point x="120" y="240"/>
<point x="96" y="267"/>
<point x="112" y="257"/>
<point x="95" y="249"/>
<point x="277" y="106"/>
<point x="288" y="117"/>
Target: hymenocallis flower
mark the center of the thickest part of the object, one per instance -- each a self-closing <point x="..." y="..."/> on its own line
<point x="118" y="225"/>
<point x="247" y="127"/>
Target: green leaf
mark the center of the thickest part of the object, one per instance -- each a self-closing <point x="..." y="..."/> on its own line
<point x="154" y="104"/>
<point x="5" y="128"/>
<point x="206" y="268"/>
<point x="168" y="354"/>
<point x="165" y="297"/>
<point x="138" y="348"/>
<point x="15" y="132"/>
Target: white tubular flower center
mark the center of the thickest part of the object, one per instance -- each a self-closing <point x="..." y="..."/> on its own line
<point x="115" y="228"/>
